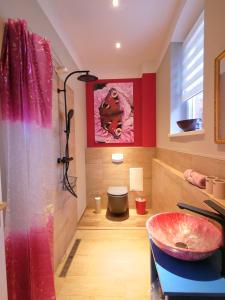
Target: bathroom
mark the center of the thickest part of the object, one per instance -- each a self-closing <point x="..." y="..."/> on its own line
<point x="95" y="254"/>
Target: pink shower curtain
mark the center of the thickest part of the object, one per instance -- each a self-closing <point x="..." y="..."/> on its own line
<point x="26" y="161"/>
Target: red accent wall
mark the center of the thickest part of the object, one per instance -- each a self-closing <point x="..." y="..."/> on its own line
<point x="148" y="112"/>
<point x="144" y="111"/>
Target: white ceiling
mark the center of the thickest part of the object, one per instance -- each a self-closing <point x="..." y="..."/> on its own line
<point x="90" y="28"/>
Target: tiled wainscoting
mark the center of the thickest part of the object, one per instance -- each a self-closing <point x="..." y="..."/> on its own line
<point x="181" y="161"/>
<point x="162" y="187"/>
<point x="102" y="173"/>
<point x="168" y="188"/>
<point x="168" y="185"/>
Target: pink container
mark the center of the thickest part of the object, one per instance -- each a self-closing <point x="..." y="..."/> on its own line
<point x="141" y="206"/>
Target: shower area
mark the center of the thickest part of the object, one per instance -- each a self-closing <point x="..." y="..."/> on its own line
<point x="65" y="204"/>
<point x="64" y="114"/>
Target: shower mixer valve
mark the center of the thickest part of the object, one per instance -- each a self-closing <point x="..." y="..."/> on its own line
<point x="64" y="160"/>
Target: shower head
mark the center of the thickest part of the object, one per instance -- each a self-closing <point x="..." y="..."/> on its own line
<point x="87" y="77"/>
<point x="69" y="117"/>
<point x="70" y="114"/>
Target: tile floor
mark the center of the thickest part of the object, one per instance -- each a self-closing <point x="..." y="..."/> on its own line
<point x="110" y="264"/>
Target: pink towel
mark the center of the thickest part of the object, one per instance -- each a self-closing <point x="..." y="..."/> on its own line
<point x="195" y="178"/>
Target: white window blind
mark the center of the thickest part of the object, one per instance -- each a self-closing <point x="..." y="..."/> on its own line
<point x="193" y="61"/>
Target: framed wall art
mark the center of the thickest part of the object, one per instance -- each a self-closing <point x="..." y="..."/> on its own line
<point x="114" y="112"/>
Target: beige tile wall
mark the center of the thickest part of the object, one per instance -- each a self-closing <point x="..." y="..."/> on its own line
<point x="168" y="188"/>
<point x="65" y="205"/>
<point x="102" y="173"/>
<point x="182" y="161"/>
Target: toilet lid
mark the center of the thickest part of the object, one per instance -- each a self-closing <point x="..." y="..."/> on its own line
<point x="117" y="190"/>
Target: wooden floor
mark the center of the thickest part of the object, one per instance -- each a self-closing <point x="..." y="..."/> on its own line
<point x="91" y="220"/>
<point x="111" y="262"/>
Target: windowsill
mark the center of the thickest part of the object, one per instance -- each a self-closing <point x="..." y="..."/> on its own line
<point x="187" y="133"/>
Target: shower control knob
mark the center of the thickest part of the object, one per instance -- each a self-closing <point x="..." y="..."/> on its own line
<point x="64" y="160"/>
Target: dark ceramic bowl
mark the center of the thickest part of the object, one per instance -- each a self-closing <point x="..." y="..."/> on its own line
<point x="188" y="125"/>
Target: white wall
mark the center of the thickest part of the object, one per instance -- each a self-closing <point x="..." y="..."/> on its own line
<point x="214" y="44"/>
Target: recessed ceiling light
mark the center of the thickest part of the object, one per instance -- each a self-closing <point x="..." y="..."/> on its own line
<point x="115" y="3"/>
<point x="118" y="45"/>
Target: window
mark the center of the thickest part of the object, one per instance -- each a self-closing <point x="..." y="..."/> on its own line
<point x="186" y="73"/>
<point x="192" y="70"/>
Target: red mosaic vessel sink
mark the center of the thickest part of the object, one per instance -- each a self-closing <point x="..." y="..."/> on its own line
<point x="184" y="236"/>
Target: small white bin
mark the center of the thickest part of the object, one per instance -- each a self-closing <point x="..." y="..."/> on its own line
<point x="97" y="205"/>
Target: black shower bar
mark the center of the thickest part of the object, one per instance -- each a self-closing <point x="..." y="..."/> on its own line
<point x="65" y="160"/>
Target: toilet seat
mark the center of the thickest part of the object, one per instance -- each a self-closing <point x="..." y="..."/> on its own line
<point x="117" y="190"/>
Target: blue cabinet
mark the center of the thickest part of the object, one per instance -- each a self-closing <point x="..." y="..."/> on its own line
<point x="181" y="280"/>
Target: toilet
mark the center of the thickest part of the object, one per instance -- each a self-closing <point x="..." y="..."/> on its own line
<point x="117" y="199"/>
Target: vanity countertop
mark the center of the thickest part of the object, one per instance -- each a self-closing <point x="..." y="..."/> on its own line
<point x="194" y="279"/>
<point x="2" y="206"/>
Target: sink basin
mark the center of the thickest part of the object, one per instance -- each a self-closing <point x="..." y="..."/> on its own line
<point x="184" y="236"/>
